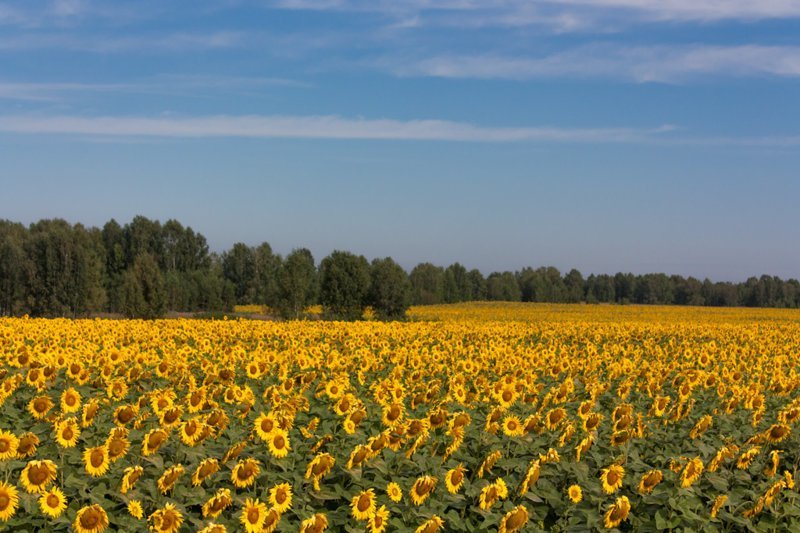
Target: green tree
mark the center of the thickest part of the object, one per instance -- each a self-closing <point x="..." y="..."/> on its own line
<point x="267" y="265"/>
<point x="14" y="268"/>
<point x="344" y="285"/>
<point x="297" y="283"/>
<point x="502" y="287"/>
<point x="456" y="284"/>
<point x="143" y="292"/>
<point x="239" y="267"/>
<point x="427" y="284"/>
<point x="390" y="289"/>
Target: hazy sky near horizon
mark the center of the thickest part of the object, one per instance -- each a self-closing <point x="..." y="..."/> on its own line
<point x="606" y="135"/>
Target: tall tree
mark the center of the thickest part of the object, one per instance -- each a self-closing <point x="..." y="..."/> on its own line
<point x="390" y="289"/>
<point x="344" y="285"/>
<point x="427" y="284"/>
<point x="143" y="294"/>
<point x="297" y="283"/>
<point x="239" y="267"/>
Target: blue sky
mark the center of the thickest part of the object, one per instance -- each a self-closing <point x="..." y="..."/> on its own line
<point x="607" y="135"/>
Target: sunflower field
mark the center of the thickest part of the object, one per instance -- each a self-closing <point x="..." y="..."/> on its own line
<point x="473" y="417"/>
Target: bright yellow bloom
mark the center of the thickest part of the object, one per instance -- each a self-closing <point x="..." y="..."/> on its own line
<point x="363" y="505"/>
<point x="168" y="519"/>
<point x="514" y="520"/>
<point x="53" y="502"/>
<point x="96" y="461"/>
<point x="617" y="513"/>
<point x="611" y="478"/>
<point x="9" y="500"/>
<point x="280" y="497"/>
<point x="90" y="519"/>
<point x="37" y="475"/>
<point x="135" y="509"/>
<point x="575" y="493"/>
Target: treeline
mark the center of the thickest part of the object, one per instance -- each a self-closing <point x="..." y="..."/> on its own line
<point x="144" y="268"/>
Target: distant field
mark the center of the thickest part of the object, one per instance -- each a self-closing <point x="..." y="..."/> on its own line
<point x="470" y="417"/>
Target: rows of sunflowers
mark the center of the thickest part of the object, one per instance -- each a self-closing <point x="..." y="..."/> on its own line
<point x="465" y="418"/>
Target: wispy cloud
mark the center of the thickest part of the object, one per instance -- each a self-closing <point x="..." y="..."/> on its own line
<point x="642" y="64"/>
<point x="313" y="127"/>
<point x="139" y="42"/>
<point x="562" y="13"/>
<point x="170" y="84"/>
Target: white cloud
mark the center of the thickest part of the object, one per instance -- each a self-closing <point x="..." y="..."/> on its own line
<point x="574" y="12"/>
<point x="312" y="127"/>
<point x="641" y="64"/>
<point x="168" y="84"/>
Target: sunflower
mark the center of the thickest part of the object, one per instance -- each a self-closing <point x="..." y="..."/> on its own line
<point x="489" y="462"/>
<point x="9" y="445"/>
<point x="592" y="422"/>
<point x="168" y="519"/>
<point x="40" y="406"/>
<point x="691" y="472"/>
<point x="583" y="446"/>
<point x="555" y="417"/>
<point x="153" y="440"/>
<point x="363" y="505"/>
<point x="280" y="497"/>
<point x="377" y="522"/>
<point x="27" y="445"/>
<point x="207" y="467"/>
<point x="514" y="520"/>
<point x="575" y="493"/>
<point x="67" y="432"/>
<point x="394" y="492"/>
<point x="253" y="515"/>
<point x="168" y="479"/>
<point x="512" y="426"/>
<point x="271" y="521"/>
<point x="96" y="461"/>
<point x="611" y="478"/>
<point x="491" y="493"/>
<point x="422" y="489"/>
<point x="217" y="503"/>
<point x="129" y="478"/>
<point x="774" y="462"/>
<point x="701" y="426"/>
<point x="9" y="500"/>
<point x="117" y="444"/>
<point x="234" y="451"/>
<point x="531" y="476"/>
<point x="245" y="472"/>
<point x="743" y="463"/>
<point x="777" y="433"/>
<point x="454" y="479"/>
<point x="90" y="409"/>
<point x="431" y="525"/>
<point x="124" y="414"/>
<point x="719" y="501"/>
<point x="649" y="481"/>
<point x="70" y="400"/>
<point x="319" y="466"/>
<point x="617" y="513"/>
<point x="37" y="475"/>
<point x="90" y="519"/>
<point x="279" y="443"/>
<point x="316" y="524"/>
<point x="135" y="509"/>
<point x="192" y="431"/>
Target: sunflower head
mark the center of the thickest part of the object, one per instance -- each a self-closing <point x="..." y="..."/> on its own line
<point x="135" y="509"/>
<point x="9" y="501"/>
<point x="514" y="520"/>
<point x="90" y="519"/>
<point x="37" y="475"/>
<point x="363" y="505"/>
<point x="168" y="519"/>
<point x="575" y="493"/>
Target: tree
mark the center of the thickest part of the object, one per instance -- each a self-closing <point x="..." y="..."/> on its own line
<point x="456" y="284"/>
<point x="297" y="283"/>
<point x="267" y="265"/>
<point x="502" y="287"/>
<point x="344" y="285"/>
<point x="427" y="284"/>
<point x="390" y="289"/>
<point x="14" y="268"/>
<point x="143" y="293"/>
<point x="574" y="289"/>
<point x="477" y="286"/>
<point x="239" y="267"/>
